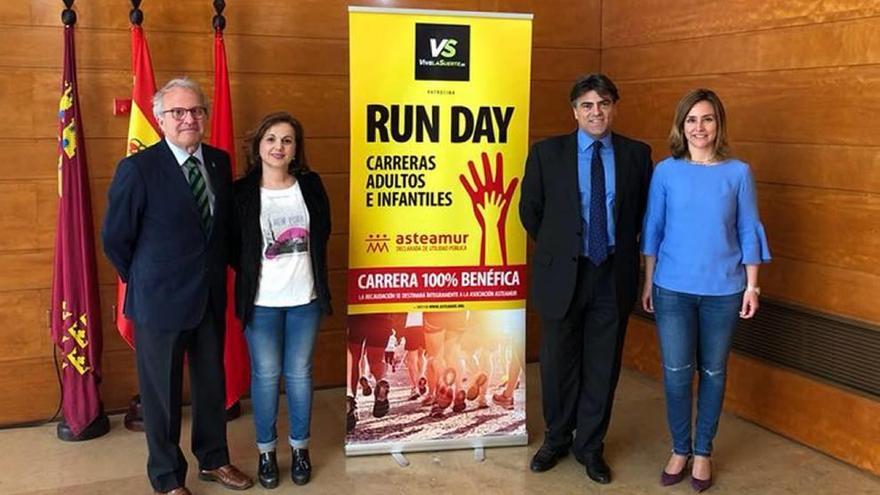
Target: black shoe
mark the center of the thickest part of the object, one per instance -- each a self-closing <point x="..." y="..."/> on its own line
<point x="350" y="414"/>
<point x="597" y="469"/>
<point x="267" y="470"/>
<point x="381" y="404"/>
<point x="546" y="457"/>
<point x="300" y="466"/>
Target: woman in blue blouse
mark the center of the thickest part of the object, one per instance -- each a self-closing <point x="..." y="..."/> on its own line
<point x="703" y="243"/>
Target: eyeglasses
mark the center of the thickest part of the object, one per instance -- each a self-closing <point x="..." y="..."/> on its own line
<point x="178" y="113"/>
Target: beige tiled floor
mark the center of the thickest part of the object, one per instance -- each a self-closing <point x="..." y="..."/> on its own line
<point x="748" y="459"/>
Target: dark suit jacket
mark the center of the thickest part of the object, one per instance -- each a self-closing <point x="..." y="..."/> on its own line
<point x="154" y="237"/>
<point x="247" y="244"/>
<point x="550" y="210"/>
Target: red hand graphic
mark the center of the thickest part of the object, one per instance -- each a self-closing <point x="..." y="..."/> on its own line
<point x="490" y="200"/>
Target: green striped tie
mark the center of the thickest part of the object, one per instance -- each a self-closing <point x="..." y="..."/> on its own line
<point x="199" y="189"/>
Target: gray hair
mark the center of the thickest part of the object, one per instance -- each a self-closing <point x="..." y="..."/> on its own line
<point x="180" y="82"/>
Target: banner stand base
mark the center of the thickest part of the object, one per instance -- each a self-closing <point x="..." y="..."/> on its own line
<point x="399" y="448"/>
<point x="400" y="459"/>
<point x="479" y="454"/>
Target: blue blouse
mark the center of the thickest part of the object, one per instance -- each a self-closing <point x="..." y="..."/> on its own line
<point x="702" y="225"/>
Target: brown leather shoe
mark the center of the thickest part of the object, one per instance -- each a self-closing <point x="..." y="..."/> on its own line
<point x="229" y="476"/>
<point x="180" y="490"/>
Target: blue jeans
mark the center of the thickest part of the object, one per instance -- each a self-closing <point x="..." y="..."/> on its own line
<point x="694" y="331"/>
<point x="282" y="339"/>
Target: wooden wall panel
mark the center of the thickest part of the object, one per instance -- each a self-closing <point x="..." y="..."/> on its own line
<point x="639" y="22"/>
<point x="847" y="43"/>
<point x="329" y="362"/>
<point x="838" y="422"/>
<point x="822" y="287"/>
<point x="282" y="55"/>
<point x="38" y="90"/>
<point x="34" y="378"/>
<point x="37" y="159"/>
<point x="25" y="333"/>
<point x="558" y="23"/>
<point x="26" y="270"/>
<point x="564" y="65"/>
<point x="817" y="166"/>
<point x="767" y="107"/>
<point x="181" y="52"/>
<point x="855" y="168"/>
<point x="326" y="155"/>
<point x="120" y="378"/>
<point x="848" y="168"/>
<point x="319" y="101"/>
<point x="550" y="111"/>
<point x="817" y="183"/>
<point x="802" y="220"/>
<point x="18" y="213"/>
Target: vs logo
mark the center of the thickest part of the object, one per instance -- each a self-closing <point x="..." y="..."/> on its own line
<point x="443" y="52"/>
<point x="445" y="47"/>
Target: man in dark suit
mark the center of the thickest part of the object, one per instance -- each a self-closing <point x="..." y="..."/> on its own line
<point x="583" y="198"/>
<point x="165" y="231"/>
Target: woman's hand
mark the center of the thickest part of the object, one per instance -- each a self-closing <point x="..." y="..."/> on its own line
<point x="648" y="288"/>
<point x="749" y="305"/>
<point x="647" y="297"/>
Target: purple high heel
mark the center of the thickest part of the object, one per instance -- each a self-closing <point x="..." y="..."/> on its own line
<point x="667" y="479"/>
<point x="699" y="485"/>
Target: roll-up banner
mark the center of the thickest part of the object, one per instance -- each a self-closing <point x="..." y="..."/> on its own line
<point x="437" y="254"/>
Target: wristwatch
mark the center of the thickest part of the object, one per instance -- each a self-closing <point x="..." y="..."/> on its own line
<point x="756" y="290"/>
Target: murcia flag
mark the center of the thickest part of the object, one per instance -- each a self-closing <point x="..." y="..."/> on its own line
<point x="76" y="310"/>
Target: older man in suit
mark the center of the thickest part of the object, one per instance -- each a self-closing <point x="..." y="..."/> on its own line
<point x="165" y="231"/>
<point x="583" y="198"/>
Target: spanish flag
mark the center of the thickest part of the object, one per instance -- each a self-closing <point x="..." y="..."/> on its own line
<point x="76" y="308"/>
<point x="235" y="354"/>
<point x="143" y="131"/>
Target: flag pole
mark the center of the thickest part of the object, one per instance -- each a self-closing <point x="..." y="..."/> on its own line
<point x="143" y="131"/>
<point x="236" y="361"/>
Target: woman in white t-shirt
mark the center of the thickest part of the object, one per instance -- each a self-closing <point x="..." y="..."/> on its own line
<point x="282" y="217"/>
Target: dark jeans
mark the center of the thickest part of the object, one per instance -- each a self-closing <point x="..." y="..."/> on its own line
<point x="694" y="331"/>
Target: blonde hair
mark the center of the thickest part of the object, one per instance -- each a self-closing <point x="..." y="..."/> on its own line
<point x="678" y="145"/>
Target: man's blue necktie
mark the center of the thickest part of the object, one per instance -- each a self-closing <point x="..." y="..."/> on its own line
<point x="598" y="235"/>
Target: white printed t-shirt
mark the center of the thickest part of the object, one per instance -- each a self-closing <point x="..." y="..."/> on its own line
<point x="286" y="277"/>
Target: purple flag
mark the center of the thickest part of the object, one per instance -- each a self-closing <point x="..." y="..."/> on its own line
<point x="76" y="311"/>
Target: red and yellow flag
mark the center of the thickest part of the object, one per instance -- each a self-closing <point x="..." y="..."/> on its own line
<point x="76" y="307"/>
<point x="235" y="356"/>
<point x="143" y="131"/>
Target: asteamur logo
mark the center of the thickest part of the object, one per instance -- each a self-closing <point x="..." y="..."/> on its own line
<point x="416" y="241"/>
<point x="443" y="52"/>
<point x="377" y="243"/>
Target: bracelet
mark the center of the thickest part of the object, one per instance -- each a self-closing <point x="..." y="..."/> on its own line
<point x="755" y="289"/>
